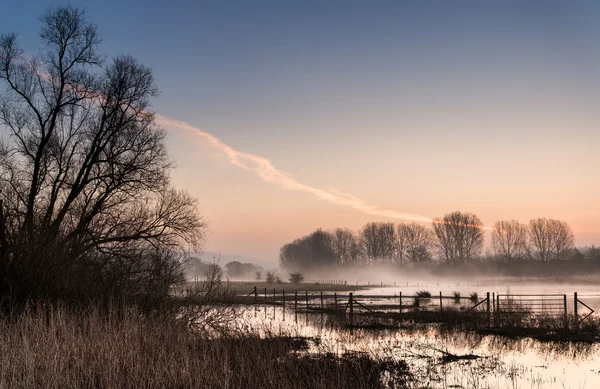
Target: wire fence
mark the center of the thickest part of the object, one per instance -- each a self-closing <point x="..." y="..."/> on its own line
<point x="494" y="308"/>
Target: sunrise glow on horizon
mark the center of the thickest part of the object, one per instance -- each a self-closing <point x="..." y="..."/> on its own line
<point x="285" y="118"/>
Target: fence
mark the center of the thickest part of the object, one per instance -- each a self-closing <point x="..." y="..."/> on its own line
<point x="494" y="308"/>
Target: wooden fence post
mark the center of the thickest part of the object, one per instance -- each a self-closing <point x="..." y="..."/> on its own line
<point x="265" y="294"/>
<point x="296" y="304"/>
<point x="351" y="303"/>
<point x="489" y="316"/>
<point x="566" y="315"/>
<point x="575" y="310"/>
<point x="255" y="294"/>
<point x="400" y="307"/>
<point x="283" y="302"/>
<point x="441" y="307"/>
<point x="321" y="299"/>
<point x="497" y="309"/>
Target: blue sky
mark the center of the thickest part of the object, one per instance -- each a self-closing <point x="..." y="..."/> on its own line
<point x="423" y="106"/>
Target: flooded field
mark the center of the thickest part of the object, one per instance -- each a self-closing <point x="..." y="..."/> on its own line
<point x="449" y="358"/>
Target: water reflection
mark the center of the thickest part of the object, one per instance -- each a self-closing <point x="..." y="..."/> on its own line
<point x="499" y="362"/>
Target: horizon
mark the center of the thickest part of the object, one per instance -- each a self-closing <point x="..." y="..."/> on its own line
<point x="304" y="117"/>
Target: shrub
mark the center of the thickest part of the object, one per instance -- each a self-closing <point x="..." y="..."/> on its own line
<point x="296" y="277"/>
<point x="270" y="277"/>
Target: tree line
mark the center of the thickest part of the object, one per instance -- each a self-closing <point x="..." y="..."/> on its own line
<point x="455" y="239"/>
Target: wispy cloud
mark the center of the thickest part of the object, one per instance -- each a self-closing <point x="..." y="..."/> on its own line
<point x="269" y="173"/>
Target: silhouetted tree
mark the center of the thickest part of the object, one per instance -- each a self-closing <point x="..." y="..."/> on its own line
<point x="414" y="243"/>
<point x="296" y="277"/>
<point x="550" y="238"/>
<point x="239" y="270"/>
<point x="270" y="277"/>
<point x="86" y="208"/>
<point x="563" y="239"/>
<point x="574" y="254"/>
<point x="540" y="238"/>
<point x="309" y="252"/>
<point x="593" y="253"/>
<point x="378" y="242"/>
<point x="509" y="239"/>
<point x="345" y="246"/>
<point x="459" y="237"/>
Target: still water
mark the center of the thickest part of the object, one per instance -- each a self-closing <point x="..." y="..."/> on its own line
<point x="497" y="362"/>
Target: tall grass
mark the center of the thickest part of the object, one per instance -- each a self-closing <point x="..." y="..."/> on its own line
<point x="52" y="348"/>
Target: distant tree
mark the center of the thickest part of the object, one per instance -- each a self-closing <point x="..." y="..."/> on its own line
<point x="563" y="239"/>
<point x="86" y="206"/>
<point x="574" y="254"/>
<point x="401" y="242"/>
<point x="312" y="251"/>
<point x="593" y="253"/>
<point x="540" y="237"/>
<point x="296" y="277"/>
<point x="240" y="270"/>
<point x="550" y="238"/>
<point x="345" y="246"/>
<point x="270" y="277"/>
<point x="198" y="269"/>
<point x="414" y="243"/>
<point x="378" y="242"/>
<point x="258" y="276"/>
<point x="509" y="240"/>
<point x="459" y="237"/>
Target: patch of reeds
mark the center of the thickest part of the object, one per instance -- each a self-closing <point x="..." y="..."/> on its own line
<point x="55" y="348"/>
<point x="422" y="297"/>
<point x="456" y="297"/>
<point x="474" y="297"/>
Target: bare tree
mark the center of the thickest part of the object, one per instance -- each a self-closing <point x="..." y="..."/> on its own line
<point x="345" y="246"/>
<point x="84" y="172"/>
<point x="378" y="241"/>
<point x="414" y="243"/>
<point x="540" y="237"/>
<point x="270" y="277"/>
<point x="563" y="239"/>
<point x="401" y="242"/>
<point x="459" y="237"/>
<point x="509" y="239"/>
<point x="550" y="238"/>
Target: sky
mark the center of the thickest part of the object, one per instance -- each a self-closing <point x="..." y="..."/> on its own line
<point x="283" y="117"/>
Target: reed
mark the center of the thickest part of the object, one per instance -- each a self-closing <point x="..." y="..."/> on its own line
<point x="55" y="348"/>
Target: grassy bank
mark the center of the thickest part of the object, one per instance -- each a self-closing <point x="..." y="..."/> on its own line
<point x="57" y="349"/>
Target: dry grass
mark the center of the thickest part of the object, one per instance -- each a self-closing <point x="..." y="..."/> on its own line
<point x="56" y="349"/>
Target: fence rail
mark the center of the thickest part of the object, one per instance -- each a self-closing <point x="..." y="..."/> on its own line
<point x="496" y="307"/>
